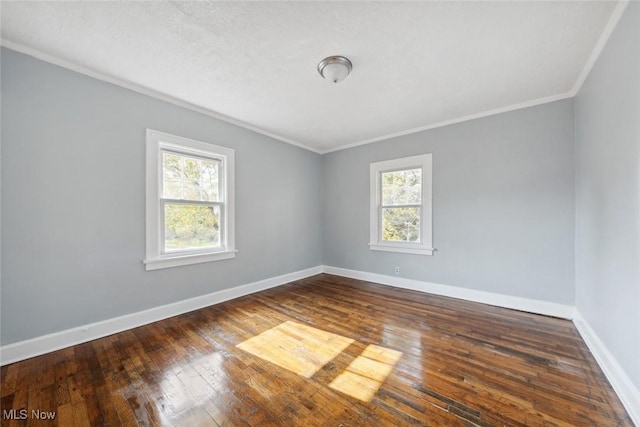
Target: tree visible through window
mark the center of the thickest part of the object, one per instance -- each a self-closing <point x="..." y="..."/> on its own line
<point x="190" y="201"/>
<point x="400" y="210"/>
<point x="401" y="204"/>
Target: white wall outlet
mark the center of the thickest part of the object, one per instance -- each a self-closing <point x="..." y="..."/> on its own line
<point x="397" y="270"/>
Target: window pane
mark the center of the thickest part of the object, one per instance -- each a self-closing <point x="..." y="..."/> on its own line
<point x="401" y="224"/>
<point x="402" y="187"/>
<point x="191" y="227"/>
<point x="189" y="178"/>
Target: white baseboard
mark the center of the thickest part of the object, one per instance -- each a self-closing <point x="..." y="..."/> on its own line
<point x="507" y="301"/>
<point x="47" y="343"/>
<point x="621" y="383"/>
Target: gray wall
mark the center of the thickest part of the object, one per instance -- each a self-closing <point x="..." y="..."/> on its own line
<point x="608" y="195"/>
<point x="503" y="205"/>
<point x="73" y="191"/>
<point x="72" y="177"/>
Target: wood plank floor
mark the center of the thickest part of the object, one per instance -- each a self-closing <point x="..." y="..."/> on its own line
<point x="323" y="351"/>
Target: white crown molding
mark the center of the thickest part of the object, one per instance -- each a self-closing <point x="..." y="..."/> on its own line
<point x="621" y="383"/>
<point x="617" y="13"/>
<point x="611" y="24"/>
<point x="507" y="301"/>
<point x="593" y="57"/>
<point x="532" y="103"/>
<point x="144" y="91"/>
<point x="47" y="343"/>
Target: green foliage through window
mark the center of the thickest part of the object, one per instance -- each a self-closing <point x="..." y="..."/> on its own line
<point x="400" y="190"/>
<point x="401" y="224"/>
<point x="190" y="225"/>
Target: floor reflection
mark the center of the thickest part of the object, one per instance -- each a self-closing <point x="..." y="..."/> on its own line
<point x="192" y="386"/>
<point x="410" y="340"/>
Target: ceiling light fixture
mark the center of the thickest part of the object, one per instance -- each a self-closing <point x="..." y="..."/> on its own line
<point x="335" y="68"/>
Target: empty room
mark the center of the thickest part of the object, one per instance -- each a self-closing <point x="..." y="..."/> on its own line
<point x="320" y="213"/>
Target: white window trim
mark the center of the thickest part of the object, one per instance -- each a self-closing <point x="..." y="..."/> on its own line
<point x="425" y="247"/>
<point x="156" y="142"/>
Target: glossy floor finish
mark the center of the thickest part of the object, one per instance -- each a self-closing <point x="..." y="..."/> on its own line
<point x="323" y="351"/>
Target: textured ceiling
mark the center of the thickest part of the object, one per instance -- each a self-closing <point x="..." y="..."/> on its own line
<point x="416" y="64"/>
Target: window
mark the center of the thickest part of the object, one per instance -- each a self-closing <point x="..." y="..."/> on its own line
<point x="189" y="201"/>
<point x="400" y="211"/>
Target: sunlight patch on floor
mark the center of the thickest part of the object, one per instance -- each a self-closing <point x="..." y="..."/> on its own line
<point x="296" y="347"/>
<point x="364" y="376"/>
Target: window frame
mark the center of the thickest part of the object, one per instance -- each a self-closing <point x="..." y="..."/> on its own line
<point x="376" y="169"/>
<point x="156" y="257"/>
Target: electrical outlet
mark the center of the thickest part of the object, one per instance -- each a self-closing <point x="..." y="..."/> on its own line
<point x="397" y="270"/>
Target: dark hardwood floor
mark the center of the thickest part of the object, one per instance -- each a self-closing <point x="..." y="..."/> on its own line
<point x="324" y="351"/>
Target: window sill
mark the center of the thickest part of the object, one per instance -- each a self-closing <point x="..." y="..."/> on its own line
<point x="414" y="249"/>
<point x="177" y="261"/>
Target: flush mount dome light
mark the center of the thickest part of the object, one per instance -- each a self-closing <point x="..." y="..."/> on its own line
<point x="335" y="68"/>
